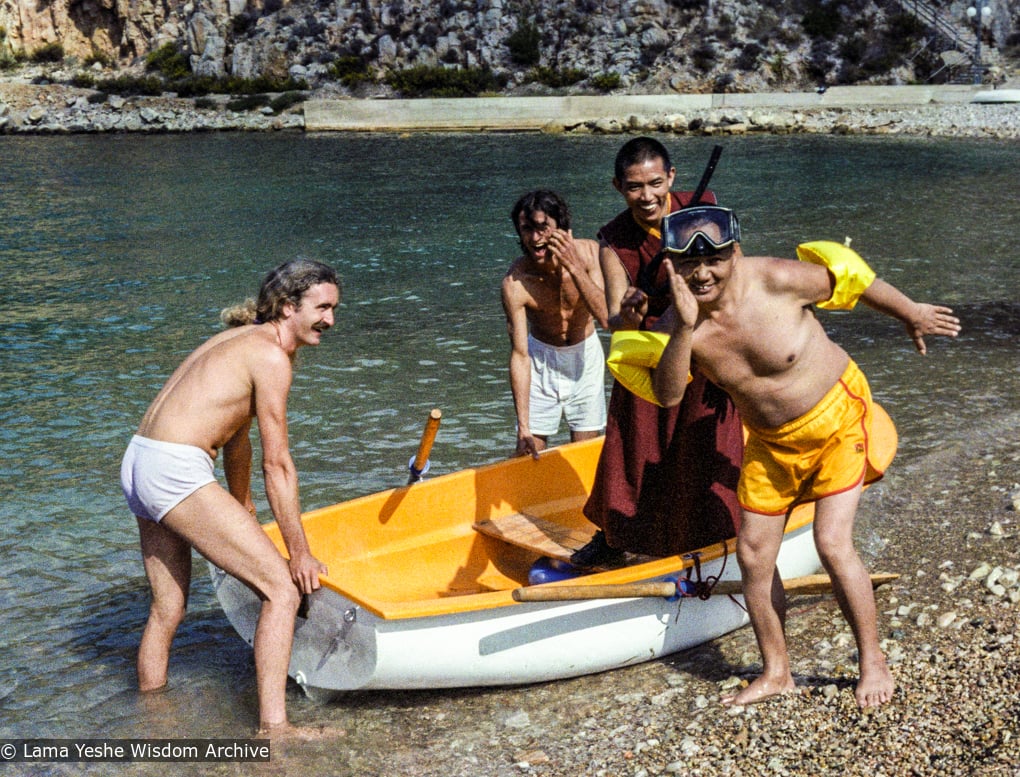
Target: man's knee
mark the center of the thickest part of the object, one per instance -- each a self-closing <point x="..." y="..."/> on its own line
<point x="284" y="593"/>
<point x="168" y="613"/>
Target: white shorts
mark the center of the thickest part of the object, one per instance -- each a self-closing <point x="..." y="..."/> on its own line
<point x="567" y="381"/>
<point x="157" y="476"/>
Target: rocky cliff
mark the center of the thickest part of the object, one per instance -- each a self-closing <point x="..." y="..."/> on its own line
<point x="637" y="45"/>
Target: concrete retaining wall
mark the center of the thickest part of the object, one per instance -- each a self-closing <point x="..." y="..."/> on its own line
<point x="533" y="113"/>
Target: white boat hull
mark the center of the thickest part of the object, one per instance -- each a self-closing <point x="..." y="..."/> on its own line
<point x="342" y="646"/>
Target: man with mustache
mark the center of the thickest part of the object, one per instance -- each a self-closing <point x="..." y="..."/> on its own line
<point x="206" y="406"/>
<point x="552" y="296"/>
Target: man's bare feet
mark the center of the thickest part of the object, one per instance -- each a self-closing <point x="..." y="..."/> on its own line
<point x="876" y="685"/>
<point x="286" y="731"/>
<point x="759" y="690"/>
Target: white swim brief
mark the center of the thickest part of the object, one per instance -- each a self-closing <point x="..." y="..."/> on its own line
<point x="567" y="381"/>
<point x="157" y="476"/>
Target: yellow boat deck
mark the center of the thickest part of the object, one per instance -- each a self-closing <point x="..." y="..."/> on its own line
<point x="415" y="551"/>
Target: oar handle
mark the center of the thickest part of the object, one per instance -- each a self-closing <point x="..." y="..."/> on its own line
<point x="567" y="593"/>
<point x="428" y="436"/>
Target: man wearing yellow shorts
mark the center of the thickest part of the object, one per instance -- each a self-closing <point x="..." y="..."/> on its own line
<point x="749" y="324"/>
<point x="823" y="453"/>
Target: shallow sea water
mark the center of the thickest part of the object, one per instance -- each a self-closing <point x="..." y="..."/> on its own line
<point x="118" y="253"/>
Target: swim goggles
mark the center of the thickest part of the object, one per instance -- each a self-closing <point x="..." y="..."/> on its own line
<point x="689" y="232"/>
<point x="703" y="230"/>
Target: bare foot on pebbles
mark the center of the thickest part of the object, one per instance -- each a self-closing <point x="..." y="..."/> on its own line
<point x="759" y="690"/>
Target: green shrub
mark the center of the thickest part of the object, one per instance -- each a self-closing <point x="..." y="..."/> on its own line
<point x="286" y="100"/>
<point x="350" y="71"/>
<point x="525" y="43"/>
<point x="131" y="85"/>
<point x="425" y="81"/>
<point x="749" y="55"/>
<point x="822" y="20"/>
<point x="606" y="82"/>
<point x="48" y="52"/>
<point x="248" y="102"/>
<point x="555" y="78"/>
<point x="169" y="61"/>
<point x="779" y="67"/>
<point x="197" y="86"/>
<point x="99" y="57"/>
<point x="704" y="56"/>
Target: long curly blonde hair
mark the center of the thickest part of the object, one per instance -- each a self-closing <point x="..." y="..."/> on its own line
<point x="284" y="284"/>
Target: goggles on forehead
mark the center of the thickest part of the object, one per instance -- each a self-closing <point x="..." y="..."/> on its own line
<point x="699" y="231"/>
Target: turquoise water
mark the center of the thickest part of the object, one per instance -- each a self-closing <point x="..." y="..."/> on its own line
<point x="118" y="253"/>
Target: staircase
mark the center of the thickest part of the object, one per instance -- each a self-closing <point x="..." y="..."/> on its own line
<point x="960" y="39"/>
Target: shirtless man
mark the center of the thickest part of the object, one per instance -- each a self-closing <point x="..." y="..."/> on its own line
<point x="554" y="289"/>
<point x="749" y="324"/>
<point x="167" y="476"/>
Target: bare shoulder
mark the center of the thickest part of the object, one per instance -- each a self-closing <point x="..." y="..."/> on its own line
<point x="590" y="248"/>
<point x="786" y="276"/>
<point x="255" y="348"/>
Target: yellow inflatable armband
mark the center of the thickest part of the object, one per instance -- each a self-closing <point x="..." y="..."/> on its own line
<point x="633" y="354"/>
<point x="852" y="274"/>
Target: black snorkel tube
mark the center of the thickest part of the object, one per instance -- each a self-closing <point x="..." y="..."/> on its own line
<point x="648" y="273"/>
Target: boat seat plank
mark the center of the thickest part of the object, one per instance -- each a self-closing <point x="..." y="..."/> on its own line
<point x="547" y="538"/>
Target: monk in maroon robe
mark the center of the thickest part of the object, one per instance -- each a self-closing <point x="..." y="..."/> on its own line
<point x="667" y="477"/>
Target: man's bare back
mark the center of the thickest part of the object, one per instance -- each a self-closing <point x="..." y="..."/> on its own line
<point x="219" y="377"/>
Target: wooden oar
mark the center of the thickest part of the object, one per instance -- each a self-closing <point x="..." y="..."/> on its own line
<point x="809" y="584"/>
<point x="419" y="465"/>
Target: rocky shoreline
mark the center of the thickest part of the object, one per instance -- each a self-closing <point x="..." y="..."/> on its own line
<point x="53" y="108"/>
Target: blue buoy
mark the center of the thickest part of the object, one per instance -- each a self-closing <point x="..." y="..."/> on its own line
<point x="549" y="570"/>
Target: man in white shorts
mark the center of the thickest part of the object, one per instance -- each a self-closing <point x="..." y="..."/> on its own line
<point x="552" y="296"/>
<point x="207" y="405"/>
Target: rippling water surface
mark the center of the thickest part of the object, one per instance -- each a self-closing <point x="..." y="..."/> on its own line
<point x="117" y="254"/>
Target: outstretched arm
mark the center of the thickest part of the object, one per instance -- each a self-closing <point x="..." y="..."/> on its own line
<point x="919" y="318"/>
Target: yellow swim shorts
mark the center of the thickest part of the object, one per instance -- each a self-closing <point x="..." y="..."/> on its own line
<point x="822" y="453"/>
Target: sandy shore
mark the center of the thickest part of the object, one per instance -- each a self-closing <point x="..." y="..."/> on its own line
<point x="950" y="628"/>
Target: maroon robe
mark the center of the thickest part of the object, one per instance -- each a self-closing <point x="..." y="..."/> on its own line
<point x="666" y="481"/>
